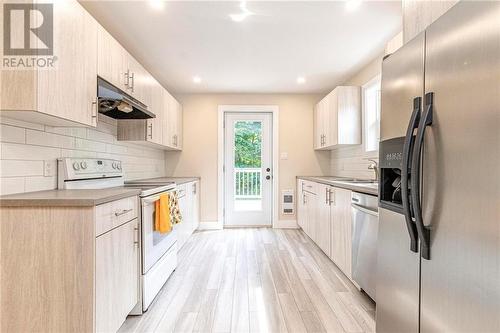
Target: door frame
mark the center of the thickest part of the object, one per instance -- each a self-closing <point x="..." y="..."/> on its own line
<point x="222" y="110"/>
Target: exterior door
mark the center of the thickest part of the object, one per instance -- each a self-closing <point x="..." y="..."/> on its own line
<point x="460" y="283"/>
<point x="248" y="169"/>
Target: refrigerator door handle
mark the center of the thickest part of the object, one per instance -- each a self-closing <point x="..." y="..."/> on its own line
<point x="405" y="170"/>
<point x="423" y="232"/>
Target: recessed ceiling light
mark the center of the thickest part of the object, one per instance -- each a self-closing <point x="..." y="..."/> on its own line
<point x="301" y="80"/>
<point x="197" y="79"/>
<point x="351" y="5"/>
<point x="157" y="4"/>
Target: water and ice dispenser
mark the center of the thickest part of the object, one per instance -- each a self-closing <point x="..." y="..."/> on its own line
<point x="390" y="164"/>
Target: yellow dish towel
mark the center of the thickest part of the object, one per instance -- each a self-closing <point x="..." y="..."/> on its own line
<point x="163" y="223"/>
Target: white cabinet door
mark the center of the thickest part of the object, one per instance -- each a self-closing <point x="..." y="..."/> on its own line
<point x="183" y="232"/>
<point x="69" y="91"/>
<point x="65" y="94"/>
<point x="112" y="60"/>
<point x="301" y="206"/>
<point x="116" y="279"/>
<point x="195" y="208"/>
<point x="341" y="245"/>
<point x="155" y="125"/>
<point x="323" y="232"/>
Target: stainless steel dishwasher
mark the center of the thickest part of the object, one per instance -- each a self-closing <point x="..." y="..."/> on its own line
<point x="364" y="241"/>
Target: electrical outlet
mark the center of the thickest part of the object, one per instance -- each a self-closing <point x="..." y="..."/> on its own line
<point x="284" y="156"/>
<point x="49" y="168"/>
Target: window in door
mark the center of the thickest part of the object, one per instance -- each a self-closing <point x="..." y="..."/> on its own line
<point x="248" y="165"/>
<point x="371" y="111"/>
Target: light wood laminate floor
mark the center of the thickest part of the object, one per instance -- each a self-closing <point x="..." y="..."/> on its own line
<point x="255" y="280"/>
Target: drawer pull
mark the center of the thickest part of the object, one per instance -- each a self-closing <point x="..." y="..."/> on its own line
<point x="125" y="211"/>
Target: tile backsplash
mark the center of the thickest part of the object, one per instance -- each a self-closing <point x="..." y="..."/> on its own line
<point x="28" y="153"/>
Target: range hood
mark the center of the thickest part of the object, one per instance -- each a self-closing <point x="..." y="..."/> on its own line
<point x="116" y="104"/>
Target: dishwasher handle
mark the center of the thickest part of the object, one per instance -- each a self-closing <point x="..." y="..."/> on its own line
<point x="364" y="209"/>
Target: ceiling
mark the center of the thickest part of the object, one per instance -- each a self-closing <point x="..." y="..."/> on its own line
<point x="322" y="41"/>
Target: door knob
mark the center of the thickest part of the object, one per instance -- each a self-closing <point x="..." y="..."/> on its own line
<point x="268" y="169"/>
<point x="268" y="177"/>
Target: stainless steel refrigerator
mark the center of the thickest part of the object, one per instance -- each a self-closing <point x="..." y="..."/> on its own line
<point x="439" y="217"/>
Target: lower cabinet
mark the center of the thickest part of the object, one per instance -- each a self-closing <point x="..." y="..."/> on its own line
<point x="341" y="230"/>
<point x="189" y="207"/>
<point x="324" y="213"/>
<point x="116" y="275"/>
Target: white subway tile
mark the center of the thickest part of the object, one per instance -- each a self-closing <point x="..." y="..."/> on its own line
<point x="100" y="136"/>
<point x="40" y="183"/>
<point x="11" y="185"/>
<point x="77" y="132"/>
<point x="116" y="149"/>
<point x="14" y="151"/>
<point x="77" y="153"/>
<point x="20" y="123"/>
<point x="15" y="168"/>
<point x="95" y="146"/>
<point x="49" y="139"/>
<point x="12" y="134"/>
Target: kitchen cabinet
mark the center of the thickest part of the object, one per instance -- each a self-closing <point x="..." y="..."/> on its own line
<point x="70" y="268"/>
<point x="112" y="60"/>
<point x="307" y="208"/>
<point x="189" y="206"/>
<point x="418" y="15"/>
<point x="173" y="134"/>
<point x="324" y="214"/>
<point x="323" y="219"/>
<point x="337" y="119"/>
<point x="116" y="276"/>
<point x="121" y="69"/>
<point x="65" y="94"/>
<point x="341" y="229"/>
<point x="148" y="131"/>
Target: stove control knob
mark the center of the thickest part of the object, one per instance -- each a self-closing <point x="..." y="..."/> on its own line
<point x="119" y="166"/>
<point x="83" y="165"/>
<point x="76" y="166"/>
<point x="113" y="165"/>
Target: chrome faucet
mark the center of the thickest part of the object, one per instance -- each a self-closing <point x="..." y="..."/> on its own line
<point x="373" y="166"/>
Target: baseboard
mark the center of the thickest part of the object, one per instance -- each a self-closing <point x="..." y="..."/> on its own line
<point x="286" y="224"/>
<point x="210" y="225"/>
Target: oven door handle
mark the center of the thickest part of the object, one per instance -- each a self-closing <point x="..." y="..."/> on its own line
<point x="152" y="199"/>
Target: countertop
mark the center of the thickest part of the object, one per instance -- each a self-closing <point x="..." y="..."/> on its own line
<point x="61" y="198"/>
<point x="367" y="188"/>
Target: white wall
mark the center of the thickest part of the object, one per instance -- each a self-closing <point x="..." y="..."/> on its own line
<point x="25" y="147"/>
<point x="199" y="155"/>
<point x="351" y="161"/>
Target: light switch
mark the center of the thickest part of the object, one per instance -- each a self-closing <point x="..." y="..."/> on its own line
<point x="284" y="156"/>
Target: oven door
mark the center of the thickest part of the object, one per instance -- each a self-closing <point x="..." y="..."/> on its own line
<point x="154" y="244"/>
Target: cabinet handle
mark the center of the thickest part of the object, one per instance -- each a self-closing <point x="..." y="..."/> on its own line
<point x="332" y="195"/>
<point x="126" y="77"/>
<point x="194" y="188"/>
<point x="136" y="236"/>
<point x="132" y="78"/>
<point x="175" y="140"/>
<point x="150" y="126"/>
<point x="124" y="211"/>
<point x="304" y="201"/>
<point x="327" y="196"/>
<point x="94" y="112"/>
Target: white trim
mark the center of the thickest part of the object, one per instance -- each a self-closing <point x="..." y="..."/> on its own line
<point x="209" y="225"/>
<point x="274" y="109"/>
<point x="286" y="224"/>
<point x="376" y="79"/>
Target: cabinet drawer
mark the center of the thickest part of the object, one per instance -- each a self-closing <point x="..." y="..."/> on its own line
<point x="115" y="213"/>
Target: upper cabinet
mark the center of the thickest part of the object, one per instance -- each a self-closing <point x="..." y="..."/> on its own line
<point x="65" y="94"/>
<point x="337" y="119"/>
<point x="119" y="68"/>
<point x="173" y="133"/>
